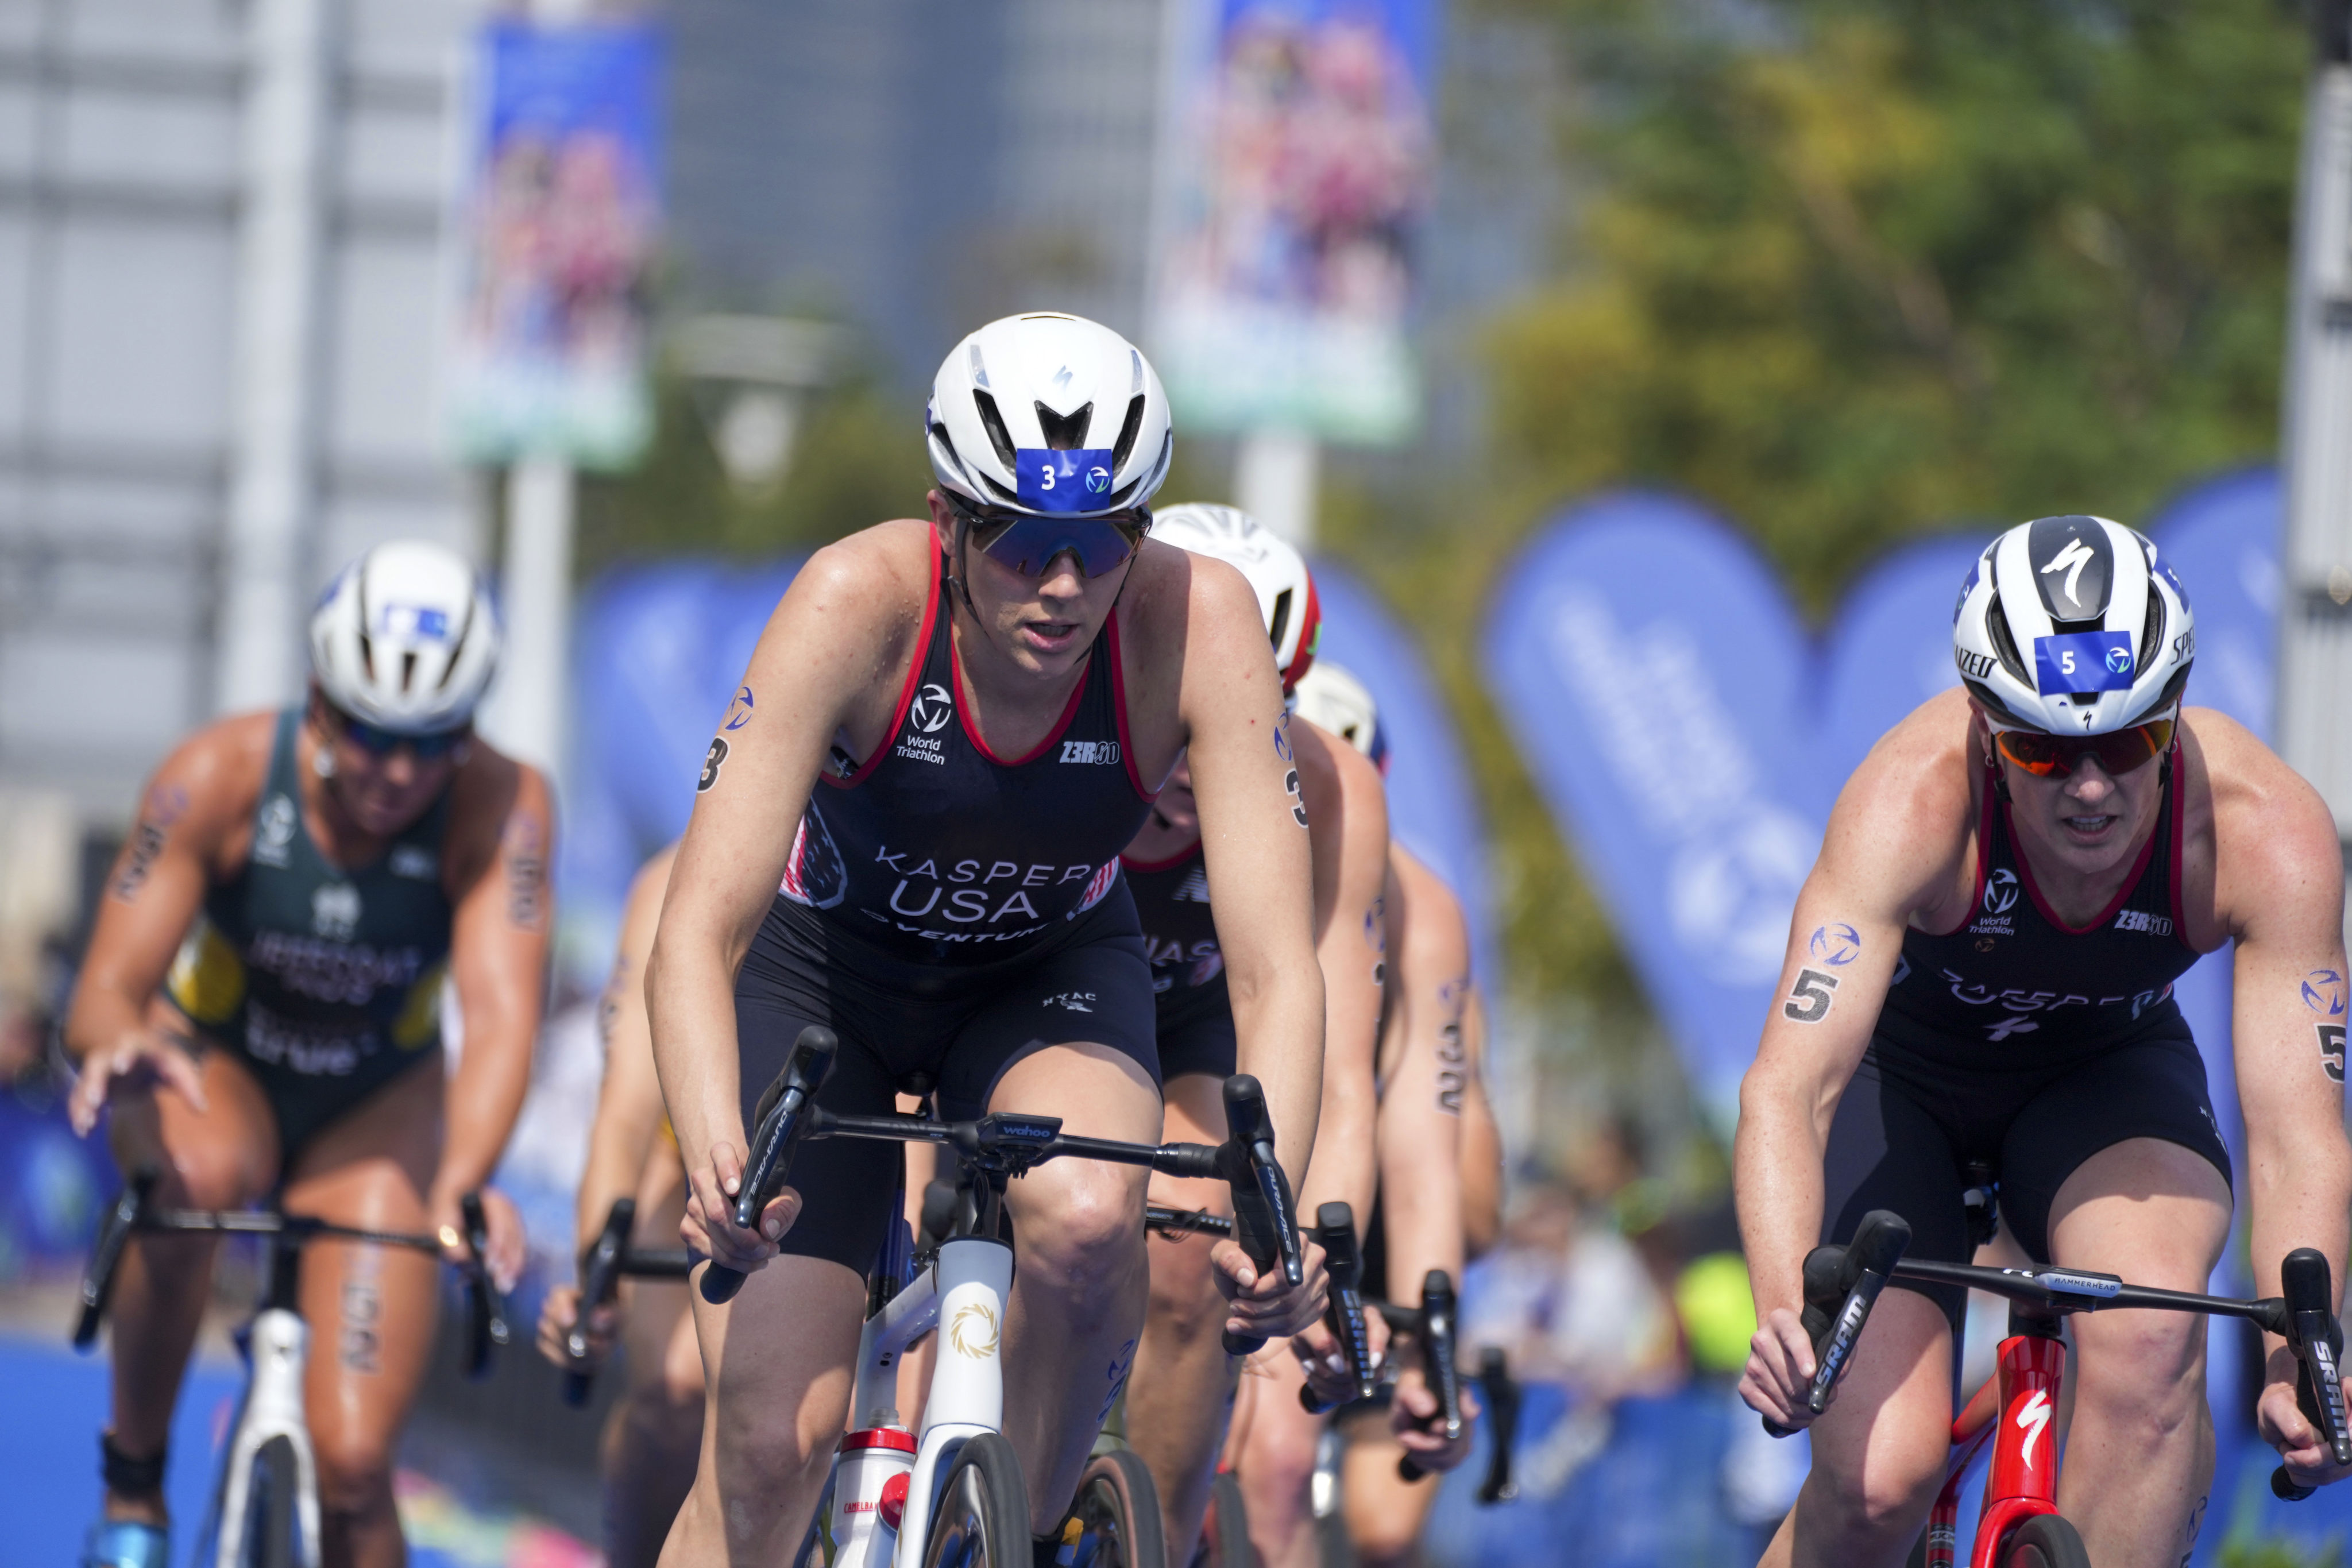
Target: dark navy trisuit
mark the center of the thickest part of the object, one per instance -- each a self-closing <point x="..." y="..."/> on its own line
<point x="1194" y="1012"/>
<point x="947" y="911"/>
<point x="326" y="982"/>
<point x="2024" y="1043"/>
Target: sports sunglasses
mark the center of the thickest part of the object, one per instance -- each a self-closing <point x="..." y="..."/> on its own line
<point x="377" y="742"/>
<point x="1027" y="542"/>
<point x="2057" y="756"/>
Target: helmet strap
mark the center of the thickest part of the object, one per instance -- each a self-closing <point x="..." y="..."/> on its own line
<point x="958" y="577"/>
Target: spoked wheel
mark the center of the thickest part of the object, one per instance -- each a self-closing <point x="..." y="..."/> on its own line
<point x="269" y="1524"/>
<point x="982" y="1520"/>
<point x="2045" y="1540"/>
<point x="1117" y="1514"/>
<point x="1224" y="1534"/>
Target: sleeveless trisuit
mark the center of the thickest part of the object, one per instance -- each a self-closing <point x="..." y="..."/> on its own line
<point x="325" y="981"/>
<point x="1194" y="1013"/>
<point x="946" y="912"/>
<point x="2024" y="1043"/>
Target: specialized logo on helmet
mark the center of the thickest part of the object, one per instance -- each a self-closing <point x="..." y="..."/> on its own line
<point x="2074" y="566"/>
<point x="931" y="708"/>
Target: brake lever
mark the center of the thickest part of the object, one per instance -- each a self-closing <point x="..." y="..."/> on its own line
<point x="600" y="1281"/>
<point x="1863" y="1268"/>
<point x="783" y="1122"/>
<point x="106" y="1252"/>
<point x="486" y="1307"/>
<point x="2317" y="1340"/>
<point x="1440" y="1362"/>
<point x="1265" y="1221"/>
<point x="1343" y="1261"/>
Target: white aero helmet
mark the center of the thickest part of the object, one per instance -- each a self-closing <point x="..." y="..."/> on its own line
<point x="1048" y="413"/>
<point x="2072" y="625"/>
<point x="1285" y="589"/>
<point x="1331" y="698"/>
<point x="406" y="638"/>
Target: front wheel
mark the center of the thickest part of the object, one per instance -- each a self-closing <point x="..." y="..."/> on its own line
<point x="1224" y="1534"/>
<point x="982" y="1520"/>
<point x="2045" y="1540"/>
<point x="1117" y="1514"/>
<point x="270" y="1530"/>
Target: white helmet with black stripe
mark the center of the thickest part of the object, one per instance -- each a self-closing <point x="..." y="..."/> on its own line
<point x="2073" y="626"/>
<point x="1277" y="573"/>
<point x="1049" y="412"/>
<point x="1330" y="698"/>
<point x="406" y="638"/>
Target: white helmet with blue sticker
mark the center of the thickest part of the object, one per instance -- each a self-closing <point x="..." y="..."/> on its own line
<point x="2073" y="625"/>
<point x="406" y="638"/>
<point x="1049" y="412"/>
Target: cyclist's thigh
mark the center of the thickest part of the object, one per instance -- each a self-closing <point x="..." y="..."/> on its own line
<point x="1071" y="1036"/>
<point x="1193" y="1111"/>
<point x="224" y="1156"/>
<point x="1887" y="1434"/>
<point x="372" y="1309"/>
<point x="2118" y="1167"/>
<point x="845" y="1183"/>
<point x="1888" y="1151"/>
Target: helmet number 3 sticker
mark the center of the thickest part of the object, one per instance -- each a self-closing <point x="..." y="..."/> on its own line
<point x="2083" y="661"/>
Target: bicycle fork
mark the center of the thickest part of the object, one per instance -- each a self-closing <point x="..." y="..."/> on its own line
<point x="886" y="1485"/>
<point x="277" y="1345"/>
<point x="2015" y="1412"/>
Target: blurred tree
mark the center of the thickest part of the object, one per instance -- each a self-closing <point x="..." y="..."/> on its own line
<point x="857" y="459"/>
<point x="1852" y="270"/>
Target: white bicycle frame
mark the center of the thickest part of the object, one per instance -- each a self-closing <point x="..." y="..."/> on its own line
<point x="962" y="1296"/>
<point x="279" y="1345"/>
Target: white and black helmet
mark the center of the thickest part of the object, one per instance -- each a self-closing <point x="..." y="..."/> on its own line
<point x="1285" y="588"/>
<point x="2072" y="625"/>
<point x="1049" y="412"/>
<point x="406" y="638"/>
<point x="1330" y="698"/>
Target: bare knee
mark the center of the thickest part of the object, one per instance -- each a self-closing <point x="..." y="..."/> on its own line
<point x="1887" y="1498"/>
<point x="2146" y="1369"/>
<point x="1083" y="1232"/>
<point x="355" y="1471"/>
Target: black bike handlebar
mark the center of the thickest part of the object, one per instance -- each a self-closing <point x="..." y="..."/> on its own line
<point x="1853" y="1276"/>
<point x="1267" y="1224"/>
<point x="133" y="1211"/>
<point x="600" y="1281"/>
<point x="1343" y="1263"/>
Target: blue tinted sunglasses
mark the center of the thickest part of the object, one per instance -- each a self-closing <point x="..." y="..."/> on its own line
<point x="1027" y="542"/>
<point x="382" y="743"/>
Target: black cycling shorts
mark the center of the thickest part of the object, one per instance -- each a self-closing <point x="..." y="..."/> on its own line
<point x="1202" y="1043"/>
<point x="952" y="1029"/>
<point x="1906" y="1131"/>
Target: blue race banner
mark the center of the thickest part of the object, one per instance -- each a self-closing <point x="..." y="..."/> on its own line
<point x="1889" y="647"/>
<point x="1661" y="688"/>
<point x="1433" y="803"/>
<point x="659" y="657"/>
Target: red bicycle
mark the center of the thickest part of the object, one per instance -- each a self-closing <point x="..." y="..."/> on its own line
<point x="2020" y="1526"/>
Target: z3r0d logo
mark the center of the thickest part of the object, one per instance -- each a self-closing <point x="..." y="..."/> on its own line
<point x="931" y="708"/>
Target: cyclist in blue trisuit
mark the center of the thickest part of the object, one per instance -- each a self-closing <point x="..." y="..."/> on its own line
<point x="261" y="1012"/>
<point x="1980" y="968"/>
<point x="1179" y="1397"/>
<point x="948" y="732"/>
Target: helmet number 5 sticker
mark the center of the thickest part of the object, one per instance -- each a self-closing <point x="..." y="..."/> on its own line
<point x="1809" y="999"/>
<point x="2083" y="661"/>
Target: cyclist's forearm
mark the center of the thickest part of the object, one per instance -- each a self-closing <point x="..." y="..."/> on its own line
<point x="1344" y="1170"/>
<point x="101" y="1015"/>
<point x="1777" y="1187"/>
<point x="690" y="995"/>
<point x="1280" y="1031"/>
<point x="618" y="1145"/>
<point x="2298" y="1193"/>
<point x="484" y="1096"/>
<point x="1421" y="1177"/>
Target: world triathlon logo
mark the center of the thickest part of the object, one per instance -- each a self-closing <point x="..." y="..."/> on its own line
<point x="2119" y="659"/>
<point x="1836" y="945"/>
<point x="2000" y="891"/>
<point x="1098" y="479"/>
<point x="931" y="708"/>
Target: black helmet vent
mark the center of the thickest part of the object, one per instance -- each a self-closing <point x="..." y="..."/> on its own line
<point x="994" y="423"/>
<point x="1127" y="432"/>
<point x="2004" y="642"/>
<point x="1065" y="432"/>
<point x="2151" y="630"/>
